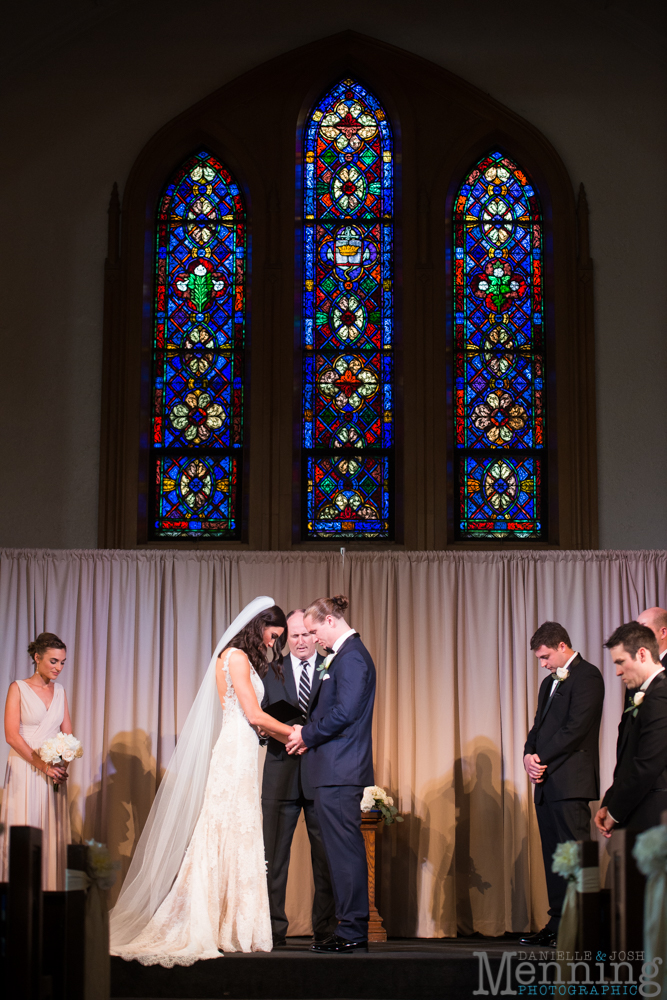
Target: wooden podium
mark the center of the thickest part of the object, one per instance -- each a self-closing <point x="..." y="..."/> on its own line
<point x="370" y="822"/>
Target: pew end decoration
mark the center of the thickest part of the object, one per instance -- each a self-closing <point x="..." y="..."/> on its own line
<point x="650" y="853"/>
<point x="577" y="862"/>
<point x="375" y="797"/>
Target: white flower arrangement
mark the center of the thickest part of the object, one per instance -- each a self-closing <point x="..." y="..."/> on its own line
<point x="562" y="673"/>
<point x="637" y="699"/>
<point x="101" y="869"/>
<point x="375" y="797"/>
<point x="565" y="860"/>
<point x="63" y="747"/>
<point x="650" y="850"/>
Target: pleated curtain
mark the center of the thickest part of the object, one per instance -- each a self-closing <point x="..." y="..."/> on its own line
<point x="456" y="695"/>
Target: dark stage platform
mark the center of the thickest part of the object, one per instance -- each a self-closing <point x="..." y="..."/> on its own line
<point x="401" y="969"/>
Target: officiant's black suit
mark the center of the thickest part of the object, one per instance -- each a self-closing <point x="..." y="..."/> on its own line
<point x="638" y="793"/>
<point x="565" y="735"/>
<point x="283" y="799"/>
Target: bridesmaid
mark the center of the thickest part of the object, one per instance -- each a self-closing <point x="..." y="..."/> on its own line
<point x="36" y="709"/>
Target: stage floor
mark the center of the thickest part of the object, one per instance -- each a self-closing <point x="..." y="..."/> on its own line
<point x="400" y="969"/>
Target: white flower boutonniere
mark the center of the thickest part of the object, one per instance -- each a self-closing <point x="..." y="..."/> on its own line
<point x="323" y="669"/>
<point x="637" y="699"/>
<point x="562" y="673"/>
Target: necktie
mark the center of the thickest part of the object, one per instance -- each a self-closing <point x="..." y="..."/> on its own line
<point x="304" y="687"/>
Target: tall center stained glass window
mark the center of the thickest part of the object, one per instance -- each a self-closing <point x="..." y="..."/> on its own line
<point x="347" y="318"/>
<point x="198" y="355"/>
<point x="499" y="419"/>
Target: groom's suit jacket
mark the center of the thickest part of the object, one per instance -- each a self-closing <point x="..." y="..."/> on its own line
<point x="282" y="771"/>
<point x="566" y="733"/>
<point x="641" y="762"/>
<point x="339" y="733"/>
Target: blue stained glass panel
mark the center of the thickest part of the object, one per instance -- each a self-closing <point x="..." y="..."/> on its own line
<point x="347" y="308"/>
<point x="198" y="354"/>
<point x="348" y="494"/>
<point x="499" y="386"/>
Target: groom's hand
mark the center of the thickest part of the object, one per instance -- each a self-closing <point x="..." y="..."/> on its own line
<point x="295" y="744"/>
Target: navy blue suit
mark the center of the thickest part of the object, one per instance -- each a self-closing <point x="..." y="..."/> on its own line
<point x="337" y="767"/>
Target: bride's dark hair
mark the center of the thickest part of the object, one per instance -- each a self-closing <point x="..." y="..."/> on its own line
<point x="251" y="640"/>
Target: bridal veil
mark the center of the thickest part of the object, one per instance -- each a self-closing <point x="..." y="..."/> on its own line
<point x="178" y="803"/>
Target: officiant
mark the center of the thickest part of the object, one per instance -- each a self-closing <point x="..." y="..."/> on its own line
<point x="283" y="796"/>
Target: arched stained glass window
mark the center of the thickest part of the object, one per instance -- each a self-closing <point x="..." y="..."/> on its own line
<point x="198" y="355"/>
<point x="499" y="419"/>
<point x="348" y="317"/>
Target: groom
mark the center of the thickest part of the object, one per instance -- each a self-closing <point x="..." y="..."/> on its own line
<point x="339" y="765"/>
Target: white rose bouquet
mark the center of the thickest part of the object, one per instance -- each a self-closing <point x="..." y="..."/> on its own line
<point x="61" y="748"/>
<point x="375" y="797"/>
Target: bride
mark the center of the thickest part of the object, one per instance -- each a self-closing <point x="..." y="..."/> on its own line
<point x="197" y="882"/>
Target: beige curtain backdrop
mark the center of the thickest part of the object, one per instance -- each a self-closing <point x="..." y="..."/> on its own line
<point x="456" y="694"/>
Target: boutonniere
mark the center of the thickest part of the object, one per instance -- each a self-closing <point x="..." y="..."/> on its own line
<point x="562" y="673"/>
<point x="637" y="699"/>
<point x="323" y="669"/>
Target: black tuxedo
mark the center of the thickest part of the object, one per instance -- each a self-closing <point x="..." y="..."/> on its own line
<point x="283" y="799"/>
<point x="638" y="793"/>
<point x="565" y="736"/>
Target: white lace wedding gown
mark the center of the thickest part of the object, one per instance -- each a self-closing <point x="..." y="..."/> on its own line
<point x="219" y="901"/>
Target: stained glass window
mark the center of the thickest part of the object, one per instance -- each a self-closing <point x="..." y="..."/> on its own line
<point x="347" y="318"/>
<point x="499" y="419"/>
<point x="198" y="354"/>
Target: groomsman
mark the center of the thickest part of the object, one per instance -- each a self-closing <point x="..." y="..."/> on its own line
<point x="656" y="620"/>
<point x="283" y="795"/>
<point x="638" y="794"/>
<point x="561" y="756"/>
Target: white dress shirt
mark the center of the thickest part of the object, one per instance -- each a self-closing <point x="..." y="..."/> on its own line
<point x="341" y="639"/>
<point x="297" y="667"/>
<point x="555" y="680"/>
<point x="648" y="680"/>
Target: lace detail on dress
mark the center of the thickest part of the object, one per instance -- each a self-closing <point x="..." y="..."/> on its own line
<point x="219" y="900"/>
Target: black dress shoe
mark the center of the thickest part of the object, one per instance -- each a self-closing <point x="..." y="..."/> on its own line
<point x="279" y="942"/>
<point x="318" y="938"/>
<point x="546" y="938"/>
<point x="338" y="945"/>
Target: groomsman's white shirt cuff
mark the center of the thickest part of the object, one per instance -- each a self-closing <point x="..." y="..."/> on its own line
<point x="296" y="669"/>
<point x="555" y="680"/>
<point x="341" y="639"/>
<point x="642" y="688"/>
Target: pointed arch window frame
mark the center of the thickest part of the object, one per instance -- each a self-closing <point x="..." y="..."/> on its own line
<point x="259" y="151"/>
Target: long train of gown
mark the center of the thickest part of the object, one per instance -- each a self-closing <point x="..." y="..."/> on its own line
<point x="29" y="798"/>
<point x="219" y="901"/>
